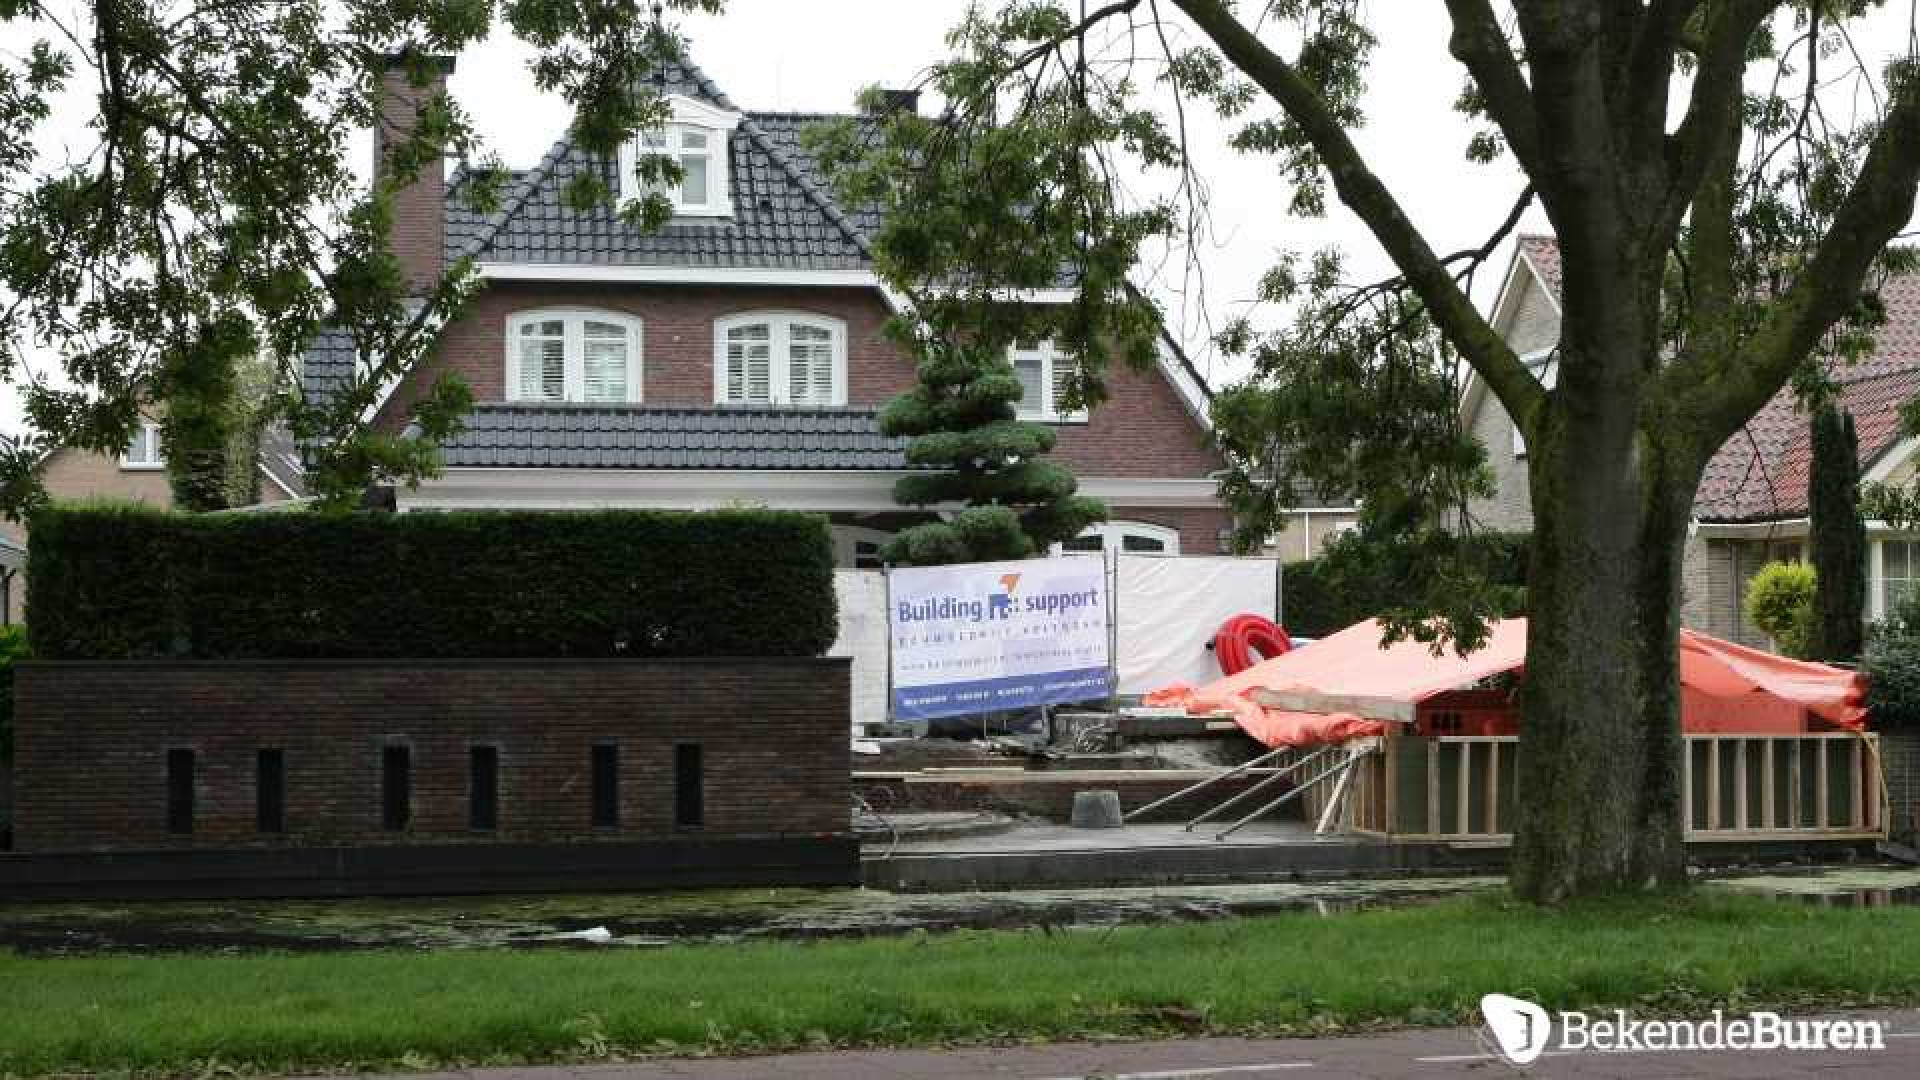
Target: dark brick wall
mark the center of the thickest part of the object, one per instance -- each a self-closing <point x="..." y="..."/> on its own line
<point x="419" y="221"/>
<point x="1144" y="431"/>
<point x="91" y="742"/>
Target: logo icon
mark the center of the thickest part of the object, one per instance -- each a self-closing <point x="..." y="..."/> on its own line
<point x="1520" y="1028"/>
<point x="1000" y="605"/>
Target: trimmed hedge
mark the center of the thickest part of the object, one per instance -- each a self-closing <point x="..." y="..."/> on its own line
<point x="119" y="582"/>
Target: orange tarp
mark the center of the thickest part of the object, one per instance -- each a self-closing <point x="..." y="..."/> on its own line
<point x="1723" y="685"/>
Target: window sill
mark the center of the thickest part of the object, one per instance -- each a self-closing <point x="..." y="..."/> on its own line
<point x="127" y="466"/>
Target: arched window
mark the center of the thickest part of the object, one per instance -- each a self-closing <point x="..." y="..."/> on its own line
<point x="1127" y="537"/>
<point x="779" y="358"/>
<point x="573" y="355"/>
<point x="695" y="137"/>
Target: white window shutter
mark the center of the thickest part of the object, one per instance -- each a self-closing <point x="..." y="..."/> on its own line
<point x="543" y="361"/>
<point x="750" y="364"/>
<point x="810" y="365"/>
<point x="1032" y="370"/>
<point x="605" y="363"/>
<point x="1061" y="372"/>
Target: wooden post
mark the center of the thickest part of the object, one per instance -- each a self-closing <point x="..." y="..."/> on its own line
<point x="1769" y="819"/>
<point x="1713" y="783"/>
<point x="1820" y="784"/>
<point x="1686" y="786"/>
<point x="1855" y="810"/>
<point x="1462" y="798"/>
<point x="1796" y="798"/>
<point x="1740" y="785"/>
<point x="1493" y="789"/>
<point x="1433" y="787"/>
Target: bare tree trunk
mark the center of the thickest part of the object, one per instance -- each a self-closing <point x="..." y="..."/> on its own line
<point x="1600" y="746"/>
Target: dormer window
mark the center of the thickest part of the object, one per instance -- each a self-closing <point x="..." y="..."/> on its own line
<point x="695" y="137"/>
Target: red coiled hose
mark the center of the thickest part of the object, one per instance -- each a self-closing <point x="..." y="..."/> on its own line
<point x="1243" y="636"/>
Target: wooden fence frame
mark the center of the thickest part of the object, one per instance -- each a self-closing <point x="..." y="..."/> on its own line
<point x="1736" y="788"/>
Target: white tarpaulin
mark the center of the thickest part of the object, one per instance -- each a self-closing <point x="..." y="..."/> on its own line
<point x="981" y="637"/>
<point x="1168" y="610"/>
<point x="863" y="636"/>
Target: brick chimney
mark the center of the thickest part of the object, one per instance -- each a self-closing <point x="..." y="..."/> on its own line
<point x="895" y="101"/>
<point x="419" y="209"/>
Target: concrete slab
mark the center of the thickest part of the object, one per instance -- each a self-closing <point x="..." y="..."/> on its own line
<point x="1049" y="856"/>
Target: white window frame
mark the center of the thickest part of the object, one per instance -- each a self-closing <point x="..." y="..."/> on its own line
<point x="684" y="115"/>
<point x="1113" y="536"/>
<point x="1049" y="354"/>
<point x="574" y="351"/>
<point x="1877" y="607"/>
<point x="1544" y="366"/>
<point x="149" y="432"/>
<point x="780" y="326"/>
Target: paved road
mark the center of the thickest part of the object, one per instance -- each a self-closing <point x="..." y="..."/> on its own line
<point x="1446" y="1052"/>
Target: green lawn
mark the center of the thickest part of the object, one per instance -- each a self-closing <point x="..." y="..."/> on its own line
<point x="1426" y="964"/>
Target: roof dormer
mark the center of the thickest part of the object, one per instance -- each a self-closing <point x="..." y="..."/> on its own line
<point x="696" y="135"/>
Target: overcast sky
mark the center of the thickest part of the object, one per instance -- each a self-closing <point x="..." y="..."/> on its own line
<point x="817" y="55"/>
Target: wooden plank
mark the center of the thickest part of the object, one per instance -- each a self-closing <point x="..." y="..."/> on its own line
<point x="1373" y="708"/>
<point x="1463" y="797"/>
<point x="1856" y="809"/>
<point x="1713" y="784"/>
<point x="1493" y="787"/>
<point x="1686" y="786"/>
<point x="1433" y="788"/>
<point x="1769" y="818"/>
<point x="1389" y="758"/>
<point x="1740" y="784"/>
<point x="1820" y="785"/>
<point x="1796" y="797"/>
<point x="1872" y="782"/>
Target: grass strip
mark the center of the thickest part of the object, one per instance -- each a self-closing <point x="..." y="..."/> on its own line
<point x="1286" y="974"/>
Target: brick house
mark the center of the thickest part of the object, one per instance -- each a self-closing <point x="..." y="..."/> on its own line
<point x="136" y="474"/>
<point x="1752" y="503"/>
<point x="735" y="356"/>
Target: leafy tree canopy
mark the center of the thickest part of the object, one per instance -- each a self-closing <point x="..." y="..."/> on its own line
<point x="216" y="215"/>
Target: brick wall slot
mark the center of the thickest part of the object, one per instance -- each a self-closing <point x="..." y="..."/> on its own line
<point x="396" y="786"/>
<point x="94" y="741"/>
<point x="483" y="787"/>
<point x="270" y="790"/>
<point x="606" y="785"/>
<point x="180" y="780"/>
<point x="689" y="786"/>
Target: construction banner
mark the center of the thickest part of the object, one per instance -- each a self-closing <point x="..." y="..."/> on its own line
<point x="982" y="637"/>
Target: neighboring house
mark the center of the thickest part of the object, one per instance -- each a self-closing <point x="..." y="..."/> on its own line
<point x="136" y="474"/>
<point x="1752" y="503"/>
<point x="733" y="357"/>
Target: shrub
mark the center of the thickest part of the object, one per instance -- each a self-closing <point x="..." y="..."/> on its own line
<point x="1892" y="665"/>
<point x="1780" y="603"/>
<point x="1353" y="579"/>
<point x="128" y="583"/>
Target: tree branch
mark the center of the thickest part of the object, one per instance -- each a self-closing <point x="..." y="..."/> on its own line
<point x="1701" y="143"/>
<point x="1363" y="193"/>
<point x="1875" y="210"/>
<point x="1480" y="45"/>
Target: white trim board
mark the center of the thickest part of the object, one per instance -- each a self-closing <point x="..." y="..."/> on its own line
<point x="461" y="488"/>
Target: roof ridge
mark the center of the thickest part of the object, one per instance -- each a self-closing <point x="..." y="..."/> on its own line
<point x="820" y="198"/>
<point x="523" y="188"/>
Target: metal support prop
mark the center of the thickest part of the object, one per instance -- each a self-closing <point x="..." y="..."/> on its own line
<point x="1332" y="771"/>
<point x="1280" y="774"/>
<point x="1185" y="791"/>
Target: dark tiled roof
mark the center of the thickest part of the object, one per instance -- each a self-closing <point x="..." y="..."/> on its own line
<point x="329" y="362"/>
<point x="643" y="437"/>
<point x="784" y="217"/>
<point x="1761" y="473"/>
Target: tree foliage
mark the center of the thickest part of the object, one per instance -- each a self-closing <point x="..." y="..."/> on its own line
<point x="1001" y="197"/>
<point x="1780" y="602"/>
<point x="217" y="217"/>
<point x="1837" y="538"/>
<point x="1723" y="178"/>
